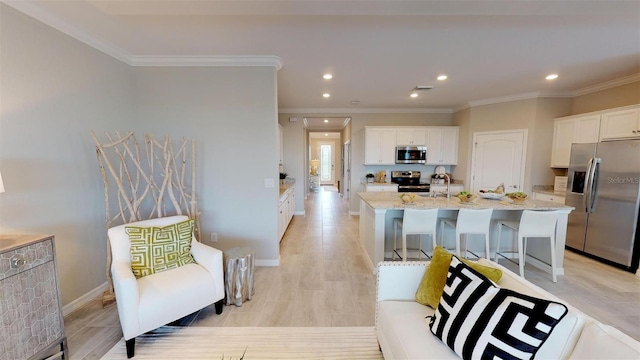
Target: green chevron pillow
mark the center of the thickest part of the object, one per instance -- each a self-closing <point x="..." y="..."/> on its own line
<point x="155" y="249"/>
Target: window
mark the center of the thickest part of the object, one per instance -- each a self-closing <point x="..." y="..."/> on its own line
<point x="325" y="162"/>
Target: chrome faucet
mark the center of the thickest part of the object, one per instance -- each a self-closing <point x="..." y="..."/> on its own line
<point x="448" y="186"/>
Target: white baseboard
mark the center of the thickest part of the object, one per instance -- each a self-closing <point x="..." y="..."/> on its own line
<point x="84" y="299"/>
<point x="300" y="212"/>
<point x="354" y="213"/>
<point x="268" y="262"/>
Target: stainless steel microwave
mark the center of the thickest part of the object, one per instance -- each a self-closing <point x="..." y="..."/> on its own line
<point x="411" y="154"/>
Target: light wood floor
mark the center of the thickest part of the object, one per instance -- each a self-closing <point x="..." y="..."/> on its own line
<point x="323" y="280"/>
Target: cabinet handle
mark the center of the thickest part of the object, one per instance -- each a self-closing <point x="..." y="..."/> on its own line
<point x="18" y="261"/>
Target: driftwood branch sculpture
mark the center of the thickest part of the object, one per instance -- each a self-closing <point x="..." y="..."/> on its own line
<point x="143" y="185"/>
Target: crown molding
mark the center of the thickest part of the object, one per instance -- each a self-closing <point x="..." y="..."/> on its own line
<point x="607" y="85"/>
<point x="31" y="9"/>
<point x="523" y="96"/>
<point x="208" y="60"/>
<point x="365" y="110"/>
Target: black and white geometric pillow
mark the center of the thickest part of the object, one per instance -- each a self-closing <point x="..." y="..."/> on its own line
<point x="478" y="320"/>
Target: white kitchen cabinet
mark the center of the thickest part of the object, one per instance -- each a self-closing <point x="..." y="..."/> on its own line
<point x="381" y="187"/>
<point x="620" y="124"/>
<point x="379" y="146"/>
<point x="442" y="145"/>
<point x="286" y="209"/>
<point x="413" y="136"/>
<point x="567" y="131"/>
<point x="556" y="198"/>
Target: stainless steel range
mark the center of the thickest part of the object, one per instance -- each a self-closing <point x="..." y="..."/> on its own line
<point x="409" y="181"/>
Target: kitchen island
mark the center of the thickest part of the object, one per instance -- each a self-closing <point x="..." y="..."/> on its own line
<point x="377" y="211"/>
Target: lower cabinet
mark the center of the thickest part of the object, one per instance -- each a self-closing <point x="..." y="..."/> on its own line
<point x="30" y="305"/>
<point x="286" y="209"/>
<point x="381" y="187"/>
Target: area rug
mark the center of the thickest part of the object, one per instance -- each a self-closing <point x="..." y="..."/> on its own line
<point x="230" y="343"/>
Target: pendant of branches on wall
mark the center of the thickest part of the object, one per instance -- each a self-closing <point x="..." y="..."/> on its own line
<point x="154" y="181"/>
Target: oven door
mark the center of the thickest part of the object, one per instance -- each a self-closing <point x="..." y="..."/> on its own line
<point x="411" y="154"/>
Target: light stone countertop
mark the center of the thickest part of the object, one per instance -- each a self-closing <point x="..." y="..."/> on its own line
<point x="550" y="192"/>
<point x="391" y="201"/>
<point x="286" y="186"/>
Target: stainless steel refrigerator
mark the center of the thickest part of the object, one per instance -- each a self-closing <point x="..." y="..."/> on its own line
<point x="604" y="187"/>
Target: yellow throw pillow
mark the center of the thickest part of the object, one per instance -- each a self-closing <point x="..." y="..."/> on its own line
<point x="155" y="249"/>
<point x="432" y="284"/>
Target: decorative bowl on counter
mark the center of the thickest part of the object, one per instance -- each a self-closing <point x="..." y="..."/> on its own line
<point x="465" y="197"/>
<point x="408" y="198"/>
<point x="518" y="197"/>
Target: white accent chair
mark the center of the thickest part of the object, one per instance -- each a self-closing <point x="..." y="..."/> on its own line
<point x="415" y="222"/>
<point x="469" y="222"/>
<point x="534" y="224"/>
<point x="152" y="301"/>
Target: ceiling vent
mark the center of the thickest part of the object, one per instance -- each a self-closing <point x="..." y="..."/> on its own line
<point x="422" y="88"/>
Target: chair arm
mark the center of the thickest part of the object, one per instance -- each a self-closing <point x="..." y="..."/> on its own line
<point x="125" y="286"/>
<point x="399" y="280"/>
<point x="211" y="259"/>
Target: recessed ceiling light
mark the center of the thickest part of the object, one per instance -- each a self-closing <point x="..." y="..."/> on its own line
<point x="326" y="95"/>
<point x="325" y="120"/>
<point x="326" y="134"/>
<point x="414" y="95"/>
<point x="327" y="76"/>
<point x="552" y="77"/>
<point x="442" y="77"/>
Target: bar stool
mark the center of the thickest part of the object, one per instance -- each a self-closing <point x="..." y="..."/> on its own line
<point x="470" y="222"/>
<point x="536" y="224"/>
<point x="414" y="222"/>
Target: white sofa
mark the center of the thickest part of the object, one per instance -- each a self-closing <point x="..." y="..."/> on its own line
<point x="403" y="332"/>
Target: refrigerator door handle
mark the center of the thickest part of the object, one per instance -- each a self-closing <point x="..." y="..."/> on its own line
<point x="586" y="192"/>
<point x="593" y="188"/>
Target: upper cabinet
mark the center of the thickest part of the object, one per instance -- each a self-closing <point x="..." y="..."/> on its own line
<point x="411" y="136"/>
<point x="620" y="124"/>
<point x="580" y="129"/>
<point x="613" y="124"/>
<point x="442" y="145"/>
<point x="379" y="145"/>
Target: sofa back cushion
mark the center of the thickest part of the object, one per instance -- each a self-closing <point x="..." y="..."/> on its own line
<point x="599" y="341"/>
<point x="432" y="283"/>
<point x="476" y="319"/>
<point x="564" y="337"/>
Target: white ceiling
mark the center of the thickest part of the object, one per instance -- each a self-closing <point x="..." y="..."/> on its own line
<point x="377" y="50"/>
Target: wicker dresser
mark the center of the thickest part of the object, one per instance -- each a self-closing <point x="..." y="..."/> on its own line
<point x="31" y="325"/>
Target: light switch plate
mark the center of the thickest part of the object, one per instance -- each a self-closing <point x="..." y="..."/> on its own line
<point x="269" y="183"/>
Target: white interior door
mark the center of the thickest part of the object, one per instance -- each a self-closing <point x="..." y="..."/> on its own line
<point x="499" y="157"/>
<point x="327" y="163"/>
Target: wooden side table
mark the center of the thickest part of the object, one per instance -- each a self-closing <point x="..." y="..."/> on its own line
<point x="239" y="267"/>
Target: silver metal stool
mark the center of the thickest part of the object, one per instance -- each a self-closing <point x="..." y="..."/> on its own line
<point x="239" y="266"/>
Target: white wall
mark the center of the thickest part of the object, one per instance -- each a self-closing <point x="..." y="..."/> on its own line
<point x="232" y="114"/>
<point x="54" y="91"/>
